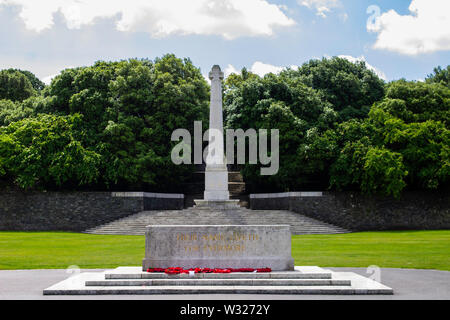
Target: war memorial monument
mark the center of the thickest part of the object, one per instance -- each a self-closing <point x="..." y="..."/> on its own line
<point x="265" y="248"/>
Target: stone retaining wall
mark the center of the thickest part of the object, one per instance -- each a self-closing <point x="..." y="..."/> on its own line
<point x="354" y="211"/>
<point x="76" y="211"/>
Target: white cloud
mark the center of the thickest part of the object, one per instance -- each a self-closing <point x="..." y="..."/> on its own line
<point x="426" y="29"/>
<point x="377" y="71"/>
<point x="322" y="11"/>
<point x="229" y="70"/>
<point x="322" y="7"/>
<point x="206" y="78"/>
<point x="48" y="79"/>
<point x="259" y="68"/>
<point x="160" y="18"/>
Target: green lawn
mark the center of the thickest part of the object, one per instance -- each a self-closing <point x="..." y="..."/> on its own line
<point x="51" y="250"/>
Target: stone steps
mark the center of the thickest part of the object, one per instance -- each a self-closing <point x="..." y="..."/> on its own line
<point x="217" y="282"/>
<point x="304" y="280"/>
<point x="274" y="290"/>
<point x="135" y="224"/>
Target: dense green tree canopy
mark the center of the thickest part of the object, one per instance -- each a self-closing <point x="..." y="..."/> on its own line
<point x="328" y="137"/>
<point x="301" y="104"/>
<point x="350" y="87"/>
<point x="45" y="151"/>
<point x="128" y="110"/>
<point x="15" y="86"/>
<point x="410" y="125"/>
<point x="36" y="83"/>
<point x="109" y="126"/>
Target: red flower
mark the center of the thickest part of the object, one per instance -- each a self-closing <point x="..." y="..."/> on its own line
<point x="242" y="270"/>
<point x="174" y="270"/>
<point x="222" y="270"/>
<point x="178" y="270"/>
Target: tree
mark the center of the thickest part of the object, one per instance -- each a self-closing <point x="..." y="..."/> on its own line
<point x="15" y="86"/>
<point x="404" y="142"/>
<point x="372" y="169"/>
<point x="303" y="104"/>
<point x="46" y="150"/>
<point x="36" y="83"/>
<point x="417" y="101"/>
<point x="441" y="76"/>
<point x="350" y="87"/>
<point x="13" y="111"/>
<point x="130" y="109"/>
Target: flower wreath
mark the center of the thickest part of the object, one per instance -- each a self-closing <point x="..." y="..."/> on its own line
<point x="178" y="270"/>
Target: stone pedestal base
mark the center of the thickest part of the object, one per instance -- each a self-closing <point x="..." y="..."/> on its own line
<point x="210" y="204"/>
<point x="216" y="195"/>
<point x="216" y="184"/>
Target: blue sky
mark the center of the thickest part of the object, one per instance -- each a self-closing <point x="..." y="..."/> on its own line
<point x="408" y="38"/>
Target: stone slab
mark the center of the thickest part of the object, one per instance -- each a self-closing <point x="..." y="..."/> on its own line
<point x="286" y="195"/>
<point x="226" y="246"/>
<point x="148" y="195"/>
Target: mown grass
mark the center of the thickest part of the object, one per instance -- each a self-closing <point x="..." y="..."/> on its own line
<point x="59" y="250"/>
<point x="403" y="249"/>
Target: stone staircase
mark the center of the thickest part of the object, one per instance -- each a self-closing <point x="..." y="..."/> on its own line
<point x="135" y="224"/>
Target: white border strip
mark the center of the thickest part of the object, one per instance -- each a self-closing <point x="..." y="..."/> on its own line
<point x="286" y="195"/>
<point x="148" y="195"/>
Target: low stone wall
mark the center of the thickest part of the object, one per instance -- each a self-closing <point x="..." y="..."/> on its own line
<point x="357" y="212"/>
<point x="76" y="211"/>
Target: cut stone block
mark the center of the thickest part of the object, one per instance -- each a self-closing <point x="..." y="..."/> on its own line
<point x="219" y="247"/>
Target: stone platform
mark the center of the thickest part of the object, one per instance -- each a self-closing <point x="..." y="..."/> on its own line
<point x="303" y="280"/>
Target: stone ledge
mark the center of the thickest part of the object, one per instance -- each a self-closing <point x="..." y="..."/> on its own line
<point x="147" y="195"/>
<point x="286" y="195"/>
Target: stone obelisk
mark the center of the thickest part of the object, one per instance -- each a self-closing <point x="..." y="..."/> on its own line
<point x="216" y="175"/>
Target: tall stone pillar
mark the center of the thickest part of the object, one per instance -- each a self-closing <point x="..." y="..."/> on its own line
<point x="216" y="175"/>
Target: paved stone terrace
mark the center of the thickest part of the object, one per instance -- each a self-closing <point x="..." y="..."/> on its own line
<point x="135" y="224"/>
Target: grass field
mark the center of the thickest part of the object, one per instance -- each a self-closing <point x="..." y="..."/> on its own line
<point x="58" y="250"/>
